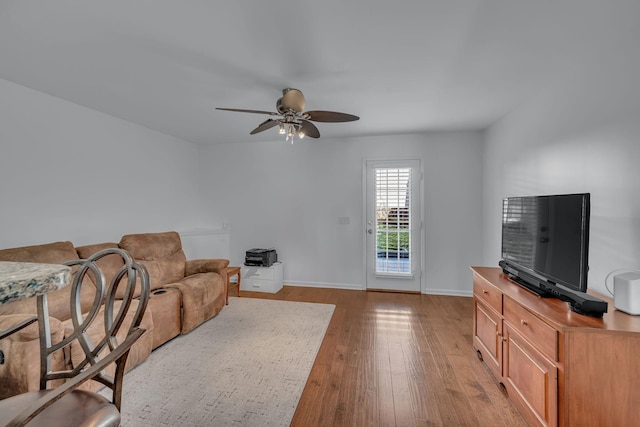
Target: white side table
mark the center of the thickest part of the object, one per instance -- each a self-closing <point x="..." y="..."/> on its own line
<point x="262" y="279"/>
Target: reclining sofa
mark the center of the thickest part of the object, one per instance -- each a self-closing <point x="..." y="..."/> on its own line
<point x="184" y="294"/>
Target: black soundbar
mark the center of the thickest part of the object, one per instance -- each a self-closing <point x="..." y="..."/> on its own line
<point x="579" y="302"/>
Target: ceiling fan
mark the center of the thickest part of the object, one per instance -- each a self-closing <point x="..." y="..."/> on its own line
<point x="293" y="120"/>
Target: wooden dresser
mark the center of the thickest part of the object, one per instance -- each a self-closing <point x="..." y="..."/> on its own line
<point x="558" y="367"/>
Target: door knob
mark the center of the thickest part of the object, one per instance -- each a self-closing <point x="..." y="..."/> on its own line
<point x="370" y="231"/>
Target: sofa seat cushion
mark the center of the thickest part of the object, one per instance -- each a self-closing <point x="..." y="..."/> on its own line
<point x="58" y="300"/>
<point x="160" y="253"/>
<point x="20" y="371"/>
<point x="138" y="353"/>
<point x="203" y="296"/>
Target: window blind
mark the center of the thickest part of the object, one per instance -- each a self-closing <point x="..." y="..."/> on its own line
<point x="393" y="219"/>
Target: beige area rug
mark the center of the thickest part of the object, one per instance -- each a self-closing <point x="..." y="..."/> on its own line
<point x="245" y="367"/>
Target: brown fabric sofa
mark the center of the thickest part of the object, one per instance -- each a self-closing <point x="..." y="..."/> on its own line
<point x="184" y="294"/>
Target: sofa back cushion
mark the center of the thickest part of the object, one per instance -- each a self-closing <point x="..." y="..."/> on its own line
<point x="109" y="265"/>
<point x="58" y="301"/>
<point x="160" y="253"/>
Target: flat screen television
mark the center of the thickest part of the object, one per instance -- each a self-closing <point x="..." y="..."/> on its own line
<point x="548" y="236"/>
<point x="545" y="246"/>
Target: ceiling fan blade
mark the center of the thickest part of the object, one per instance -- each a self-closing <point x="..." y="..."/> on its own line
<point x="329" y="116"/>
<point x="267" y="124"/>
<point x="240" y="110"/>
<point x="309" y="129"/>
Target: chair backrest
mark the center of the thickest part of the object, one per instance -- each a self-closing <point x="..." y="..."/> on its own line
<point x="93" y="335"/>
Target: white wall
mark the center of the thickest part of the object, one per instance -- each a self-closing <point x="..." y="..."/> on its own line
<point x="209" y="243"/>
<point x="581" y="134"/>
<point x="274" y="194"/>
<point x="71" y="173"/>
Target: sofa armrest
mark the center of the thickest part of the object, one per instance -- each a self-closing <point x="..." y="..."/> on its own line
<point x="4" y="333"/>
<point x="206" y="266"/>
<point x="20" y="370"/>
<point x="29" y="332"/>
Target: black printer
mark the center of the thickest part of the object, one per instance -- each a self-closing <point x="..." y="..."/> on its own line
<point x="260" y="257"/>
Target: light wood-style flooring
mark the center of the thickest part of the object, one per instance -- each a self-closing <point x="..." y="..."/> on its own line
<point x="392" y="359"/>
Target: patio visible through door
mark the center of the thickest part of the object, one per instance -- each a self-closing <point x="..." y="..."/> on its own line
<point x="393" y="222"/>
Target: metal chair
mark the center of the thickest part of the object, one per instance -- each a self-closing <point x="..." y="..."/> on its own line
<point x="66" y="404"/>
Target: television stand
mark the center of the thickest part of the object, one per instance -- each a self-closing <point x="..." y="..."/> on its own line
<point x="558" y="367"/>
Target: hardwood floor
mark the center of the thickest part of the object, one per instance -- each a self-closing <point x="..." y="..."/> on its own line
<point x="392" y="359"/>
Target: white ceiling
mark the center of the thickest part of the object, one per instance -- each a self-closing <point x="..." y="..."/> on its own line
<point x="402" y="66"/>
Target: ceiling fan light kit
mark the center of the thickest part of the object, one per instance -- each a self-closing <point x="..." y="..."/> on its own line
<point x="293" y="119"/>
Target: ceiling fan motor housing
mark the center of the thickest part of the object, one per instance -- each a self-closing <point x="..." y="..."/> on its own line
<point x="292" y="99"/>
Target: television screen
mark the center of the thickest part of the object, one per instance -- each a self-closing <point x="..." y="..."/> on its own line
<point x="548" y="236"/>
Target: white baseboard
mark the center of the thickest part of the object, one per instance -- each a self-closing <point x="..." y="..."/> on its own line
<point x="358" y="287"/>
<point x="448" y="292"/>
<point x="350" y="286"/>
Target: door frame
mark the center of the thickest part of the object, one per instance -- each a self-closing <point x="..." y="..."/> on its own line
<point x="421" y="209"/>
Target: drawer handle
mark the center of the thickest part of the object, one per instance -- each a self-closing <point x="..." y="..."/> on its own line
<point x="523" y="322"/>
<point x="484" y="292"/>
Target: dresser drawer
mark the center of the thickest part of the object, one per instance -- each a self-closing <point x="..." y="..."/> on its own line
<point x="259" y="285"/>
<point x="488" y="293"/>
<point x="266" y="273"/>
<point x="541" y="336"/>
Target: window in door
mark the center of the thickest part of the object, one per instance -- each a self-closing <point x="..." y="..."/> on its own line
<point x="393" y="220"/>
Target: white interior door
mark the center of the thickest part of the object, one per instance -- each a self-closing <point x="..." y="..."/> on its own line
<point x="393" y="223"/>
